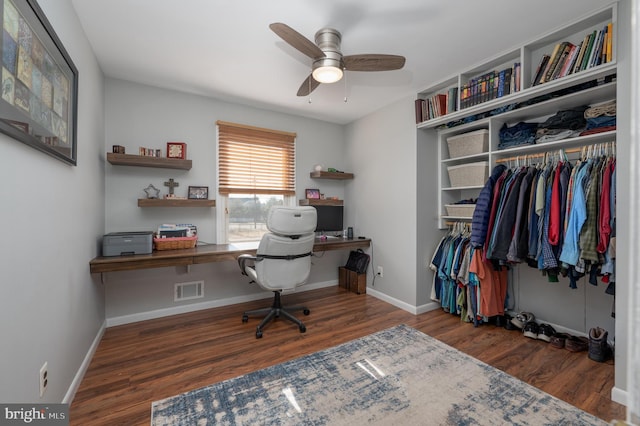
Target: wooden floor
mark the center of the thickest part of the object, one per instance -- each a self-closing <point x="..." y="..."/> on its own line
<point x="139" y="363"/>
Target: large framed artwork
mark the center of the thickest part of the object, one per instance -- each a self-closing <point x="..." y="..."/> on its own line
<point x="39" y="101"/>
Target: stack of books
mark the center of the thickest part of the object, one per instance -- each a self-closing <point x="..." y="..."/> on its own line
<point x="491" y="85"/>
<point x="437" y="105"/>
<point x="568" y="58"/>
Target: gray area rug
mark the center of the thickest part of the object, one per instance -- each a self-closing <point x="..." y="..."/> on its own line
<point x="396" y="376"/>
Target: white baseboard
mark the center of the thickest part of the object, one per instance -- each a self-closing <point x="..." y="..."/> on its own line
<point x="427" y="307"/>
<point x="403" y="305"/>
<point x="165" y="312"/>
<point x="620" y="396"/>
<point x="77" y="379"/>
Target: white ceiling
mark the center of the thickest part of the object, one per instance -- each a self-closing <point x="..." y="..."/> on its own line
<point x="225" y="49"/>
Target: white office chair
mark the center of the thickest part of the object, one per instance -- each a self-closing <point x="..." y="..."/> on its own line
<point x="283" y="260"/>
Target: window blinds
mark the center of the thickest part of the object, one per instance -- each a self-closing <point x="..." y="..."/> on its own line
<point x="255" y="160"/>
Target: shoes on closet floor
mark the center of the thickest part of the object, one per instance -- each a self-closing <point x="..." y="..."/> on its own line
<point x="576" y="344"/>
<point x="508" y="324"/>
<point x="522" y="318"/>
<point x="598" y="346"/>
<point x="499" y="320"/>
<point x="545" y="332"/>
<point x="558" y="340"/>
<point x="531" y="329"/>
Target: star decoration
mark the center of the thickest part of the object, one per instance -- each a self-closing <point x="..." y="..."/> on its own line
<point x="152" y="191"/>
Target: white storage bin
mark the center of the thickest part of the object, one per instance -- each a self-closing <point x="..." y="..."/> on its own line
<point x="470" y="174"/>
<point x="470" y="143"/>
<point x="460" y="210"/>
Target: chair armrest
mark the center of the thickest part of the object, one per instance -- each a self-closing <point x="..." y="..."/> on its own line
<point x="242" y="262"/>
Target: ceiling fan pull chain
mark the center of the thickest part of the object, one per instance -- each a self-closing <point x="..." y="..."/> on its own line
<point x="345" y="87"/>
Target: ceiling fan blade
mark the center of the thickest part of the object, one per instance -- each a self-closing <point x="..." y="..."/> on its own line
<point x="373" y="62"/>
<point x="308" y="86"/>
<point x="297" y="40"/>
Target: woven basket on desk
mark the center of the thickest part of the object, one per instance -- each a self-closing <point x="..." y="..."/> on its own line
<point x="175" y="243"/>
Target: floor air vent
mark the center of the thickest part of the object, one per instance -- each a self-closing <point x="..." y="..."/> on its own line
<point x="187" y="291"/>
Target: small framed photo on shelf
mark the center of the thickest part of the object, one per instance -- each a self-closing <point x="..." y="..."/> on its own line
<point x="177" y="150"/>
<point x="198" y="193"/>
<point x="312" y="194"/>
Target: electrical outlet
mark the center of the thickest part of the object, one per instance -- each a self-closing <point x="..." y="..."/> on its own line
<point x="380" y="271"/>
<point x="44" y="378"/>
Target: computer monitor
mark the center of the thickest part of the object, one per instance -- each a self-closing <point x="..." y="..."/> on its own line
<point x="329" y="218"/>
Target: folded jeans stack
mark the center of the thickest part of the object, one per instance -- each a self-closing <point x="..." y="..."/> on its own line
<point x="519" y="134"/>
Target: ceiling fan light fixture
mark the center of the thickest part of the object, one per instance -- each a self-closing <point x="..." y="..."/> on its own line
<point x="328" y="69"/>
<point x="328" y="62"/>
<point x="327" y="74"/>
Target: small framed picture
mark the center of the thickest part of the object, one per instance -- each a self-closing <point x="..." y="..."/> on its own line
<point x="198" y="193"/>
<point x="313" y="194"/>
<point x="177" y="150"/>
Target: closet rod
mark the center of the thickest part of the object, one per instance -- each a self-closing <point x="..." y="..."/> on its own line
<point x="459" y="223"/>
<point x="542" y="154"/>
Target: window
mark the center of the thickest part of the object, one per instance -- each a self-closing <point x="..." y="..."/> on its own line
<point x="256" y="169"/>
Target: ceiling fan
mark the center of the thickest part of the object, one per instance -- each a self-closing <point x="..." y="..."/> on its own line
<point x="328" y="62"/>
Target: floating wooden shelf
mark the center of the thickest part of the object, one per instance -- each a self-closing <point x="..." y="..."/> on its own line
<point x="331" y="175"/>
<point x="314" y="202"/>
<point x="172" y="202"/>
<point x="143" y="161"/>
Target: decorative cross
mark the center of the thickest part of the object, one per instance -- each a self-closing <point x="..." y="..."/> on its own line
<point x="171" y="184"/>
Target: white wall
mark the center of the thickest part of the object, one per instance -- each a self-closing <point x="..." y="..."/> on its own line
<point x="382" y="153"/>
<point x="139" y="115"/>
<point x="51" y="309"/>
<point x="625" y="265"/>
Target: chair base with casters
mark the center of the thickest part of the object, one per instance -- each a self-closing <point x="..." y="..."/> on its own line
<point x="276" y="311"/>
<point x="282" y="261"/>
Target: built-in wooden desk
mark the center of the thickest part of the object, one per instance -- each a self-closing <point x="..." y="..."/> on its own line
<point x="204" y="254"/>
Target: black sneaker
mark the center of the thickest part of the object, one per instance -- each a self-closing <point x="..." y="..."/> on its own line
<point x="508" y="325"/>
<point x="598" y="347"/>
<point x="531" y="329"/>
<point x="546" y="332"/>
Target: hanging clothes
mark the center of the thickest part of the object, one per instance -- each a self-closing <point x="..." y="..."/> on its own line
<point x="519" y="242"/>
<point x="481" y="213"/>
<point x="493" y="285"/>
<point x="556" y="217"/>
<point x="456" y="286"/>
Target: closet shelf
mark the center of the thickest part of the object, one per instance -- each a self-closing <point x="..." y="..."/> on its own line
<point x="594" y="85"/>
<point x="526" y="94"/>
<point x="557" y="145"/>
